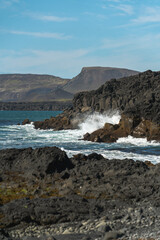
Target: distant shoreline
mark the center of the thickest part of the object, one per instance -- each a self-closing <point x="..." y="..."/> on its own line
<point x="35" y="106"/>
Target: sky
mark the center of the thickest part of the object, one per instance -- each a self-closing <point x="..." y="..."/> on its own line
<point x="59" y="37"/>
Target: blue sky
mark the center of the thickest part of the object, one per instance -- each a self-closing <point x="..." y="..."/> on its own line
<point x="59" y="37"/>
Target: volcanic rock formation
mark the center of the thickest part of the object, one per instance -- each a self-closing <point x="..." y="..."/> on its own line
<point x="133" y="126"/>
<point x="135" y="95"/>
<point x="137" y="98"/>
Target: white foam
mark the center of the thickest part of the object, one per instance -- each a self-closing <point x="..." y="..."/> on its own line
<point x="96" y="121"/>
<point x="137" y="141"/>
<point x="116" y="154"/>
<point x="67" y="140"/>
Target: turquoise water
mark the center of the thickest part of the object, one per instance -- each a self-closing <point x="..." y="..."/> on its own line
<point x="18" y="136"/>
<point x="15" y="117"/>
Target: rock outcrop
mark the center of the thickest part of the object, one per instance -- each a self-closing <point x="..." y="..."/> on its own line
<point x="133" y="126"/>
<point x="56" y="123"/>
<point x="137" y="98"/>
<point x="135" y="95"/>
<point x="33" y="162"/>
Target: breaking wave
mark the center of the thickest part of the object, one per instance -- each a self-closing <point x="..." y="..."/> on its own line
<point x="95" y="121"/>
<point x="137" y="141"/>
<point x="18" y="136"/>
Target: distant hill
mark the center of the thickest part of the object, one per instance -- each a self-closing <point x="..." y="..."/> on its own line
<point x="32" y="87"/>
<point x="41" y="88"/>
<point x="90" y="78"/>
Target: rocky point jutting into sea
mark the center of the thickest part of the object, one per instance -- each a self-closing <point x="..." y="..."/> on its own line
<point x="137" y="98"/>
<point x="44" y="194"/>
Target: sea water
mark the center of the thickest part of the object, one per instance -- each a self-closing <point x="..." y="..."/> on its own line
<point x="23" y="136"/>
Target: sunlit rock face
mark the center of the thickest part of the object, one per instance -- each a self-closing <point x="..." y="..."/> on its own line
<point x="128" y="126"/>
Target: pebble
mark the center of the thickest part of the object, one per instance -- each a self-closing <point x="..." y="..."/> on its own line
<point x="135" y="224"/>
<point x="112" y="235"/>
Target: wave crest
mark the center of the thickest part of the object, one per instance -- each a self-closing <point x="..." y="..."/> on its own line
<point x="96" y="121"/>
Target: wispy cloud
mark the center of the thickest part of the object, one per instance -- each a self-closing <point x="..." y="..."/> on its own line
<point x="60" y="36"/>
<point x="117" y="1"/>
<point x="51" y="18"/>
<point x="69" y="63"/>
<point x="60" y="63"/>
<point x="100" y="16"/>
<point x="150" y="15"/>
<point x="132" y="43"/>
<point x="124" y="8"/>
<point x="7" y="3"/>
<point x="128" y="9"/>
<point x="112" y="1"/>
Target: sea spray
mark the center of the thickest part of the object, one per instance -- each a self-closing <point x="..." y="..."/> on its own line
<point x="23" y="136"/>
<point x="97" y="120"/>
<point x="137" y="141"/>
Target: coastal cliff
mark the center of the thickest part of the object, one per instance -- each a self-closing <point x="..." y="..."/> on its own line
<point x="137" y="98"/>
<point x="139" y="94"/>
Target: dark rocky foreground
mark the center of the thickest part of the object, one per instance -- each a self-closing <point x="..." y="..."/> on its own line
<point x="46" y="195"/>
<point x="137" y="98"/>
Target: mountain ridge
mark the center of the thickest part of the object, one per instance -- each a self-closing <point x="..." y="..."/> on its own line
<point x="90" y="78"/>
<point x="32" y="87"/>
<point x="38" y="87"/>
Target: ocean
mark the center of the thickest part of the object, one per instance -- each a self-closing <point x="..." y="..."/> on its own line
<point x="13" y="135"/>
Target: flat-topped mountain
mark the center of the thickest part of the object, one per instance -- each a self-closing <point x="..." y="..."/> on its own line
<point x="32" y="87"/>
<point x="90" y="78"/>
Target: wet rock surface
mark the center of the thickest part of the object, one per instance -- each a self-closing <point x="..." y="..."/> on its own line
<point x="133" y="126"/>
<point x="84" y="197"/>
<point x="56" y="123"/>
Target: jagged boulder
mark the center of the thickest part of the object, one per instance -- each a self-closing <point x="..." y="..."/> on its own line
<point x="135" y="126"/>
<point x="26" y="121"/>
<point x="56" y="123"/>
<point x="33" y="162"/>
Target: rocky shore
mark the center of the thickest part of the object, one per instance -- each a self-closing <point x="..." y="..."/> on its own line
<point x="46" y="195"/>
<point x="133" y="126"/>
<point x="137" y="98"/>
